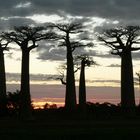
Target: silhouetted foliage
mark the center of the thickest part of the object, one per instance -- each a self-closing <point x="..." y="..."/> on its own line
<point x="50" y="106"/>
<point x="14" y="100"/>
<point x="121" y="40"/>
<point x="53" y="106"/>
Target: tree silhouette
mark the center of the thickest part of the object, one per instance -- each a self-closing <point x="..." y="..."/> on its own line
<point x="121" y="41"/>
<point x="3" y="47"/>
<point x="26" y="37"/>
<point x="68" y="29"/>
<point x="85" y="61"/>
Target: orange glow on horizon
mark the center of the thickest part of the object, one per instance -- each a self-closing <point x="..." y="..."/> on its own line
<point x="40" y="103"/>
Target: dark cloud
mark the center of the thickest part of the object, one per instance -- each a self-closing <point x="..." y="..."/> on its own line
<point x="8" y="23"/>
<point x="14" y="13"/>
<point x="54" y="54"/>
<point x="17" y="21"/>
<point x="59" y="53"/>
<point x="126" y="11"/>
<point x="116" y="9"/>
<point x="50" y="51"/>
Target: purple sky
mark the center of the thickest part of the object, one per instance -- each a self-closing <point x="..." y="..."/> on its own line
<point x="56" y="93"/>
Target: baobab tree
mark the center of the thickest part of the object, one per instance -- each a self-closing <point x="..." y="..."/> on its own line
<point x="3" y="47"/>
<point x="85" y="61"/>
<point x="122" y="40"/>
<point x="26" y="38"/>
<point x="65" y="31"/>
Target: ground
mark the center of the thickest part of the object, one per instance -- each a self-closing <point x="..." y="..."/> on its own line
<point x="56" y="126"/>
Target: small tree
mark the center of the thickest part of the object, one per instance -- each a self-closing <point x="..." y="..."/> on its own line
<point x="3" y="47"/>
<point x="26" y="37"/>
<point x="121" y="41"/>
<point x="85" y="61"/>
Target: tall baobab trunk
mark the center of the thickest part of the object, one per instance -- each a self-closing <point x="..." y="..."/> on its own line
<point x="82" y="86"/>
<point x="127" y="82"/>
<point x="26" y="38"/>
<point x="122" y="44"/>
<point x="70" y="100"/>
<point x="2" y="83"/>
<point x="25" y="86"/>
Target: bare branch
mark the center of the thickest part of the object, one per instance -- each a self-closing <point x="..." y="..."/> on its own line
<point x="135" y="49"/>
<point x="110" y="44"/>
<point x="123" y="38"/>
<point x="32" y="46"/>
<point x="61" y="78"/>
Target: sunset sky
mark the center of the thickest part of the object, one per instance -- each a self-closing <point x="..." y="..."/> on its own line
<point x="96" y="15"/>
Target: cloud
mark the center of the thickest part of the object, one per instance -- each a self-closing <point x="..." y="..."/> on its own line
<point x="108" y="11"/>
<point x="114" y="65"/>
<point x="115" y="9"/>
<point x="43" y="18"/>
<point x="136" y="55"/>
<point x="15" y="77"/>
<point x="99" y="81"/>
<point x="49" y="50"/>
<point x="96" y="15"/>
<point x="54" y="54"/>
<point x="23" y="5"/>
<point x="45" y="78"/>
<point x="9" y="22"/>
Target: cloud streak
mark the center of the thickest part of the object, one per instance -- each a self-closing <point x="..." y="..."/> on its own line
<point x="15" y="77"/>
<point x="114" y="65"/>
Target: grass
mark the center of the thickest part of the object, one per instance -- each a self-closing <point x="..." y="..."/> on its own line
<point x="54" y="125"/>
<point x="69" y="130"/>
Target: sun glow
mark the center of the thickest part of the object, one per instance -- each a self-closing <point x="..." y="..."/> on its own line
<point x="40" y="103"/>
